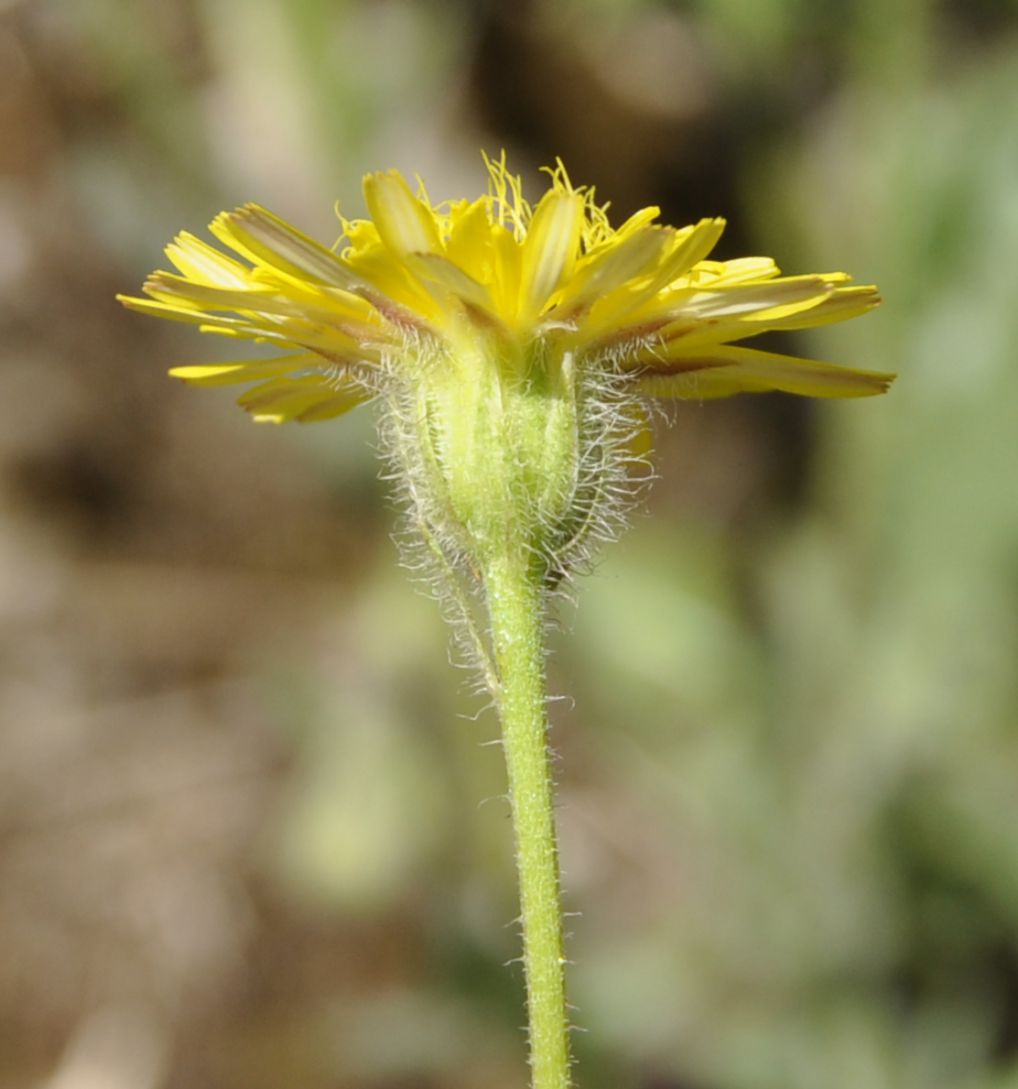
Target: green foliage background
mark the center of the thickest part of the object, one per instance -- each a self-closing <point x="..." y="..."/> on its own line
<point x="240" y="840"/>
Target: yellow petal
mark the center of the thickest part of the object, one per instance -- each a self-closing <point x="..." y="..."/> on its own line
<point x="469" y="241"/>
<point x="211" y="322"/>
<point x="635" y="256"/>
<point x="266" y="239"/>
<point x="166" y="287"/>
<point x="405" y="224"/>
<point x="549" y="250"/>
<point x="768" y="301"/>
<point x="691" y="333"/>
<point x="743" y="269"/>
<point x="690" y="247"/>
<point x="226" y="374"/>
<point x="265" y="301"/>
<point x="637" y="220"/>
<point x="725" y="371"/>
<point x="337" y="405"/>
<point x="393" y="289"/>
<point x="305" y="399"/>
<point x="204" y="264"/>
<point x="506" y="270"/>
<point x="844" y="303"/>
<point x="633" y="305"/>
<point x="440" y="272"/>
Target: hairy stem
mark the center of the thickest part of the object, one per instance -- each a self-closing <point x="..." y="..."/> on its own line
<point x="516" y="610"/>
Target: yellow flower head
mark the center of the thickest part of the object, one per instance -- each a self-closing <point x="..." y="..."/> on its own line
<point x="641" y="300"/>
<point x="511" y="347"/>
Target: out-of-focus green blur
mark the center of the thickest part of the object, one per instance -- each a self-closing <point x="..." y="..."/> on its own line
<point x="241" y="844"/>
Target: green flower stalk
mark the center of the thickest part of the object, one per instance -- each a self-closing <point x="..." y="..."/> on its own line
<point x="512" y="349"/>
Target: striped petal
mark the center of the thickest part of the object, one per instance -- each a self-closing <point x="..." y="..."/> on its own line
<point x="247" y="370"/>
<point x="768" y="301"/>
<point x="637" y="255"/>
<point x="549" y="251"/>
<point x="211" y="322"/>
<point x="267" y="240"/>
<point x="632" y="305"/>
<point x="405" y="224"/>
<point x="202" y="263"/>
<point x="305" y="399"/>
<point x="436" y="271"/>
<point x="725" y="371"/>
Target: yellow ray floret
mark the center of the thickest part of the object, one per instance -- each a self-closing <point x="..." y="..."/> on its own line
<point x="642" y="298"/>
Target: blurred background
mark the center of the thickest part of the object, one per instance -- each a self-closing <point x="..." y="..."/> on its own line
<point x="242" y="844"/>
